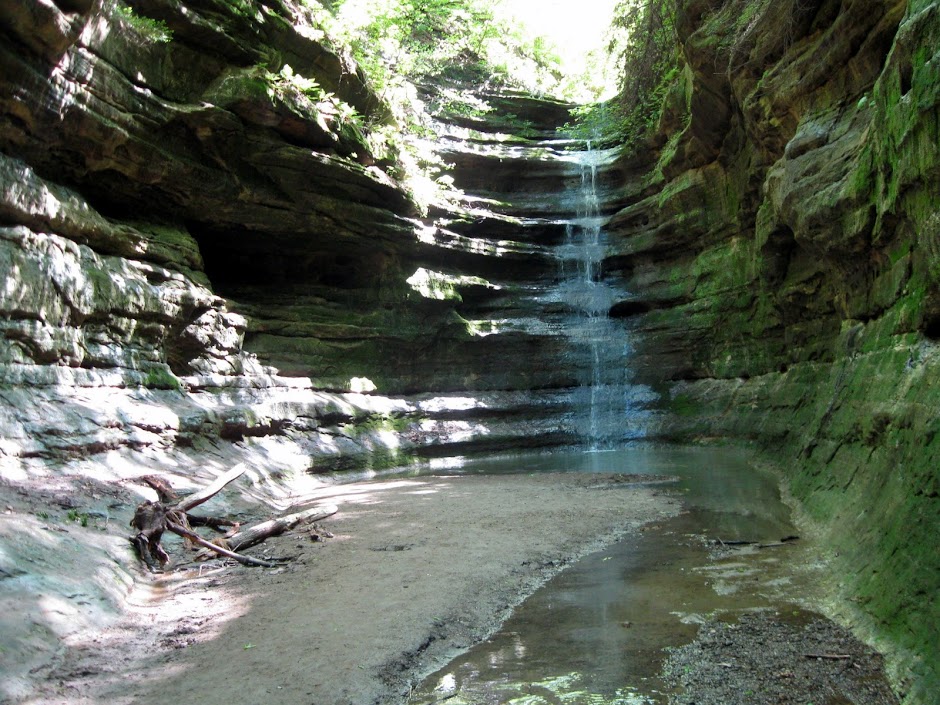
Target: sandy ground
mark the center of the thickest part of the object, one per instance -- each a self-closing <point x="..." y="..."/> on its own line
<point x="416" y="571"/>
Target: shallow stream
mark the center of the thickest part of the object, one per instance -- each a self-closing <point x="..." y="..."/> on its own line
<point x="597" y="632"/>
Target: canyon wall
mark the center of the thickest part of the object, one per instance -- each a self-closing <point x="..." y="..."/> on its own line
<point x="206" y="260"/>
<point x="212" y="251"/>
<point x="781" y="245"/>
<point x="201" y="217"/>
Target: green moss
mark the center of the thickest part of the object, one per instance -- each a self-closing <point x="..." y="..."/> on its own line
<point x="684" y="405"/>
<point x="377" y="423"/>
<point x="162" y="378"/>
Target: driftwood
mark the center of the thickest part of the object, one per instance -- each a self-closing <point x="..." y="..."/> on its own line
<point x="196" y="498"/>
<point x="259" y="532"/>
<point x="171" y="513"/>
<point x="197" y="539"/>
<point x="165" y="493"/>
<point x="167" y="496"/>
<point x="830" y="657"/>
<point x="783" y="542"/>
<point x="735" y="543"/>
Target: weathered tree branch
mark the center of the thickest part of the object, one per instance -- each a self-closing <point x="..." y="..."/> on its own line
<point x="197" y="498"/>
<point x="170" y="513"/>
<point x="196" y="538"/>
<point x="259" y="532"/>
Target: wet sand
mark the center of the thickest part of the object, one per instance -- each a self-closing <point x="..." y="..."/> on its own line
<point x="417" y="570"/>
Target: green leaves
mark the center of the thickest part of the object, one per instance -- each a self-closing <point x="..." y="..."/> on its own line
<point x="643" y="42"/>
<point x="450" y="40"/>
<point x="307" y="90"/>
<point x="154" y="30"/>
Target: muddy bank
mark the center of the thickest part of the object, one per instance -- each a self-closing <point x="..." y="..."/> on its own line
<point x="416" y="571"/>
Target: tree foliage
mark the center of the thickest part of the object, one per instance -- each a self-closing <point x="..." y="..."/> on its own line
<point x="450" y="41"/>
<point x="430" y="56"/>
<point x="649" y="60"/>
<point x="644" y="48"/>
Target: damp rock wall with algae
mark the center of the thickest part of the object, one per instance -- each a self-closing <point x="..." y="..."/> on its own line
<point x="781" y="243"/>
<point x="192" y="223"/>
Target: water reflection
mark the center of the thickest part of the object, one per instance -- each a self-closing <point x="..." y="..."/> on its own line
<point x="720" y="480"/>
<point x="570" y="688"/>
<point x="597" y="632"/>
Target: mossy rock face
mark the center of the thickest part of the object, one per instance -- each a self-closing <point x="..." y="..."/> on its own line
<point x="862" y="457"/>
<point x="789" y="288"/>
<point x="161" y="378"/>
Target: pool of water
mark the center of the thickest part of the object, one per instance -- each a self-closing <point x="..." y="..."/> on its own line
<point x="597" y="633"/>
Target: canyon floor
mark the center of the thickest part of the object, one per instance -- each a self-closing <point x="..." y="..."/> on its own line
<point x="409" y="573"/>
<point x="415" y="571"/>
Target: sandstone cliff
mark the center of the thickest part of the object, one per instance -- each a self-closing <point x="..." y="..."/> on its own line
<point x="781" y="248"/>
<point x="194" y="204"/>
<point x="209" y="255"/>
<point x="206" y="260"/>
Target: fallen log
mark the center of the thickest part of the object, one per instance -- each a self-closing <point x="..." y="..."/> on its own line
<point x="170" y="513"/>
<point x="170" y="497"/>
<point x="196" y="538"/>
<point x="735" y="543"/>
<point x="165" y="493"/>
<point x="150" y="521"/>
<point x="196" y="498"/>
<point x="783" y="542"/>
<point x="254" y="535"/>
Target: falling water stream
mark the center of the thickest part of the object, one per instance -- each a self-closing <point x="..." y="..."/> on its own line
<point x="596" y="633"/>
<point x="589" y="326"/>
<point x="608" y="409"/>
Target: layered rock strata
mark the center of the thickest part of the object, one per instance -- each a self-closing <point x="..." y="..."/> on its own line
<point x="781" y="246"/>
<point x="209" y="257"/>
<point x="186" y="214"/>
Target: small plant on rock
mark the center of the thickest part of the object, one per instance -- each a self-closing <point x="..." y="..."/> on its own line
<point x="162" y="378"/>
<point x="154" y="30"/>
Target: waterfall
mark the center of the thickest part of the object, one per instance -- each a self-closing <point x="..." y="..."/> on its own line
<point x="606" y="406"/>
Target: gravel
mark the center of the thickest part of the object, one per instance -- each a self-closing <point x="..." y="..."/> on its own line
<point x="774" y="658"/>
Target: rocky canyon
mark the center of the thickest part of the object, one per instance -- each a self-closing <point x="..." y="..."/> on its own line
<point x="212" y="252"/>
